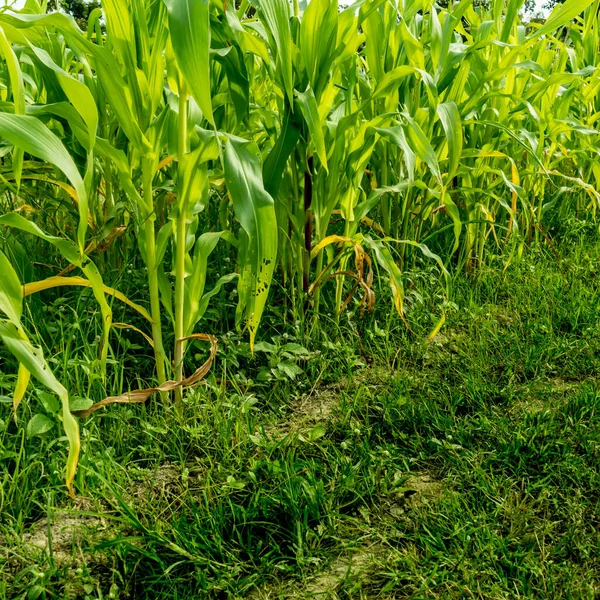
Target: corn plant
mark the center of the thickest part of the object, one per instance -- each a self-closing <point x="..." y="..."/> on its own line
<point x="319" y="144"/>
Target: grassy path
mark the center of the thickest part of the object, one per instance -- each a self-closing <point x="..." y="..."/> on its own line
<point x="464" y="467"/>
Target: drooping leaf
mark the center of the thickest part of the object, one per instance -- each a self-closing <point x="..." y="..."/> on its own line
<point x="18" y="91"/>
<point x="23" y="377"/>
<point x="77" y="92"/>
<point x="397" y="136"/>
<point x="560" y="16"/>
<point x="33" y="360"/>
<point x="203" y="304"/>
<point x="422" y="146"/>
<point x="11" y="292"/>
<point x="58" y="281"/>
<point x="255" y="211"/>
<point x="386" y="261"/>
<point x="31" y="135"/>
<point x="11" y="304"/>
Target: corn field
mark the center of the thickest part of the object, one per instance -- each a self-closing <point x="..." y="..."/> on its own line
<point x="324" y="148"/>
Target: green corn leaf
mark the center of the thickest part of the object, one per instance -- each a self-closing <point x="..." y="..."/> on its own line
<point x="318" y="36"/>
<point x="390" y="80"/>
<point x="203" y="305"/>
<point x="18" y="89"/>
<point x="192" y="183"/>
<point x="195" y="282"/>
<point x="561" y="15"/>
<point x="119" y="96"/>
<point x="239" y="85"/>
<point x="451" y="122"/>
<point x="254" y="209"/>
<point x="414" y="47"/>
<point x="436" y="39"/>
<point x="277" y="158"/>
<point x="11" y="292"/>
<point x="35" y="138"/>
<point x="374" y="28"/>
<point x="76" y="91"/>
<point x="276" y="15"/>
<point x="454" y="213"/>
<point x="66" y="247"/>
<point x="512" y="12"/>
<point x="93" y="275"/>
<point x="33" y="360"/>
<point x="120" y="31"/>
<point x="363" y="209"/>
<point x="107" y="70"/>
<point x="310" y="111"/>
<point x="386" y="261"/>
<point x="190" y="36"/>
<point x="396" y="136"/>
<point x="65" y="111"/>
<point x="422" y="146"/>
<point x="120" y="162"/>
<point x="116" y="90"/>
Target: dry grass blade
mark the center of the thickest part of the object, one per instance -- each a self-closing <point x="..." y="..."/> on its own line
<point x="99" y="246"/>
<point x="136" y="396"/>
<point x="360" y="259"/>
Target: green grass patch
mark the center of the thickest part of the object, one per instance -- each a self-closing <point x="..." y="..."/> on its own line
<point x="461" y="467"/>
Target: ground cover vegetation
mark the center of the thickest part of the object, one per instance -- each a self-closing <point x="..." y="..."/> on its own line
<point x="338" y="265"/>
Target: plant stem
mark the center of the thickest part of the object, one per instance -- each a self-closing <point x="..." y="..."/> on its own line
<point x="296" y="250"/>
<point x="308" y="192"/>
<point x="180" y="239"/>
<point x="151" y="265"/>
<point x="339" y="289"/>
<point x="385" y="199"/>
<point x="319" y="268"/>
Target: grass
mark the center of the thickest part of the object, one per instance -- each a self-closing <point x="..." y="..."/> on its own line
<point x="463" y="467"/>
